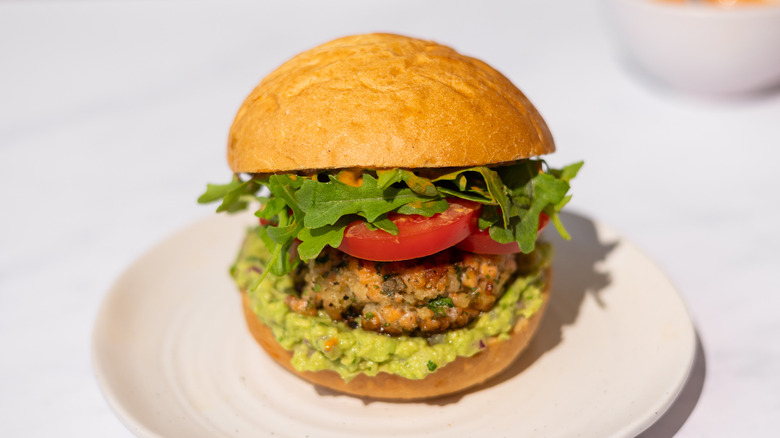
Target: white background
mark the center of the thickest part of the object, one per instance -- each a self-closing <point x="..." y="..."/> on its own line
<point x="114" y="115"/>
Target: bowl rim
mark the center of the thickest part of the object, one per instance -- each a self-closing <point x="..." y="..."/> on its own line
<point x="703" y="9"/>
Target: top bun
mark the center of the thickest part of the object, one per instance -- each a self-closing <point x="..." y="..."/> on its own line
<point x="384" y="101"/>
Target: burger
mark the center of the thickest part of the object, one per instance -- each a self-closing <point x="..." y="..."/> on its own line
<point x="399" y="195"/>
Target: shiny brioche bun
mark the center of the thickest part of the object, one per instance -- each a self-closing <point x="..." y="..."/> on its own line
<point x="384" y="101"/>
<point x="459" y="375"/>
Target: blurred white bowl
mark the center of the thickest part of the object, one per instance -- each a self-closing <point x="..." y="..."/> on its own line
<point x="701" y="47"/>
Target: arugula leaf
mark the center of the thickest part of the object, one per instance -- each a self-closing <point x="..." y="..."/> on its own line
<point x="526" y="230"/>
<point x="280" y="238"/>
<point x="567" y="173"/>
<point x="266" y="271"/>
<point x="547" y="190"/>
<point x="516" y="176"/>
<point x="386" y="178"/>
<point x="556" y="220"/>
<point x="495" y="188"/>
<point x="234" y="194"/>
<point x="215" y="192"/>
<point x="418" y="184"/>
<point x="281" y="261"/>
<point x="489" y="217"/>
<point x="426" y="208"/>
<point x="325" y="203"/>
<point x="284" y="187"/>
<point x="313" y="241"/>
<point x="285" y="231"/>
<point x="271" y="206"/>
<point x="384" y="223"/>
<point x="464" y="195"/>
<point x="503" y="235"/>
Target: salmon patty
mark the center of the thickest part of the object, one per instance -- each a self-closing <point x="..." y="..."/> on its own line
<point x="414" y="297"/>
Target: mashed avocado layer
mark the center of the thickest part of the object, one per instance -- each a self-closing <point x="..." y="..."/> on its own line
<point x="319" y="343"/>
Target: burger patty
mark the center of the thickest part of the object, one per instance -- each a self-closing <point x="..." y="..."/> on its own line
<point x="415" y="297"/>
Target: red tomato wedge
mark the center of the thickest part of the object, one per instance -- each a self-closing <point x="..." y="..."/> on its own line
<point x="480" y="242"/>
<point x="418" y="236"/>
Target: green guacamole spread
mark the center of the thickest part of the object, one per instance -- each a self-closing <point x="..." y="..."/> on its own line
<point x="319" y="343"/>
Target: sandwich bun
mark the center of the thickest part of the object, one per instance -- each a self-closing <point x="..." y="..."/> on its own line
<point x="384" y="101"/>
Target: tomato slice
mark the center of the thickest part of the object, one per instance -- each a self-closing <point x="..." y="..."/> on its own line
<point x="480" y="241"/>
<point x="418" y="236"/>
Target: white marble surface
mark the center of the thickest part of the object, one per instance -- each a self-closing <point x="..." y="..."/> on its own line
<point x="113" y="116"/>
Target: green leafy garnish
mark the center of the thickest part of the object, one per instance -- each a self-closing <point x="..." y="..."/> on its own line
<point x="313" y="241"/>
<point x="233" y="195"/>
<point x="440" y="305"/>
<point x="418" y="184"/>
<point x="324" y="204"/>
<point x="486" y="187"/>
<point x="431" y="365"/>
<point x="303" y="215"/>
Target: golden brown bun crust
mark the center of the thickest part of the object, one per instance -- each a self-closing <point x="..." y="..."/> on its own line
<point x="384" y="101"/>
<point x="461" y="374"/>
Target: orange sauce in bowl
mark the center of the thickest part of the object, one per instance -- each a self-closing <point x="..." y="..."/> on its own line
<point x="726" y="3"/>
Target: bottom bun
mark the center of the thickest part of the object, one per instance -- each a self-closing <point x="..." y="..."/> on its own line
<point x="461" y="374"/>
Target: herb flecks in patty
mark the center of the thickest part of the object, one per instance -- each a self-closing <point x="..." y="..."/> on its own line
<point x="430" y="295"/>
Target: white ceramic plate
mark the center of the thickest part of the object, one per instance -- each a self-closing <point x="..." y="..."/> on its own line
<point x="174" y="359"/>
